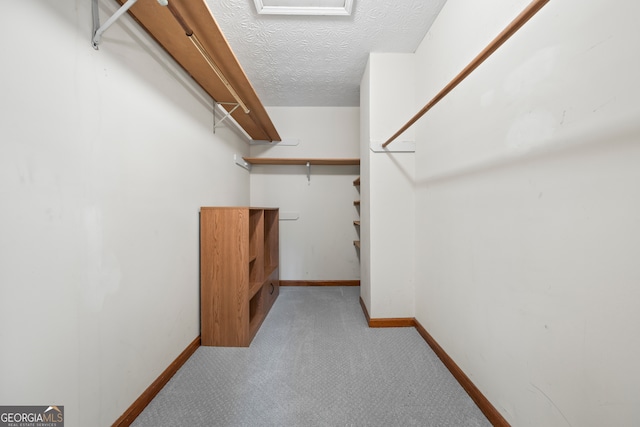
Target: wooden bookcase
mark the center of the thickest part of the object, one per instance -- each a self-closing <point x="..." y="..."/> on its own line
<point x="239" y="277"/>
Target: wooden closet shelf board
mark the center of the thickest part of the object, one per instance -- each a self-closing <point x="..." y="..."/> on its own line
<point x="160" y="23"/>
<point x="317" y="162"/>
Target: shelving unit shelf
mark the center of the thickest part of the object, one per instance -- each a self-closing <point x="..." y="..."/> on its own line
<point x="239" y="272"/>
<point x="300" y="161"/>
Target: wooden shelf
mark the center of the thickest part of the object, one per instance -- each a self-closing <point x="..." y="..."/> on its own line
<point x="160" y="23"/>
<point x="356" y="183"/>
<point x="254" y="287"/>
<point x="356" y="223"/>
<point x="356" y="203"/>
<point x="357" y="243"/>
<point x="297" y="161"/>
<point x="239" y="258"/>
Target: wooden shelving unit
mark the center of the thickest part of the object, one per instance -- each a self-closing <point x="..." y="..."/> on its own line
<point x="239" y="272"/>
<point x="161" y="24"/>
<point x="300" y="161"/>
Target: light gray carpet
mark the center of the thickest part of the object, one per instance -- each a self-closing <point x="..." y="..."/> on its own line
<point x="315" y="362"/>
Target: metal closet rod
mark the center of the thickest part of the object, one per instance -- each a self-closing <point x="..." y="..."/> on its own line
<point x="196" y="42"/>
<point x="510" y="30"/>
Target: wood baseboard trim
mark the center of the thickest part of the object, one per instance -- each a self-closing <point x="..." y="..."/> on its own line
<point x="366" y="313"/>
<point x="319" y="282"/>
<point x="489" y="411"/>
<point x="147" y="396"/>
<point x="395" y="322"/>
<point x="492" y="414"/>
<point x="392" y="322"/>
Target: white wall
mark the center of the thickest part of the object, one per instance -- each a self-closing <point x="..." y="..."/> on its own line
<point x="319" y="244"/>
<point x="388" y="205"/>
<point x="105" y="158"/>
<point x="365" y="192"/>
<point x="527" y="208"/>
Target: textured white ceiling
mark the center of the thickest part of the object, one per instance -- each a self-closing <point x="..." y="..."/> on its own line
<point x="319" y="60"/>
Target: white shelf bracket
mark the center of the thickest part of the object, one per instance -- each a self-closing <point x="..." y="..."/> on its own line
<point x="226" y="114"/>
<point x="98" y="29"/>
<point x="241" y="162"/>
<point x="308" y="172"/>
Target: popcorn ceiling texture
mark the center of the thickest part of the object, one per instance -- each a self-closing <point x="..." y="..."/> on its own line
<point x="319" y="60"/>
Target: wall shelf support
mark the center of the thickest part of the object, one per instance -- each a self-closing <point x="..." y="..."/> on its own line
<point x="98" y="29"/>
<point x="226" y="113"/>
<point x="241" y="162"/>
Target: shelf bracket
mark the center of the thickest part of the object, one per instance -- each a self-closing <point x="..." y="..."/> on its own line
<point x="98" y="29"/>
<point x="308" y="172"/>
<point x="226" y="113"/>
<point x="241" y="162"/>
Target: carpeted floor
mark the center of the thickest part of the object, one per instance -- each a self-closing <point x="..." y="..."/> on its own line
<point x="315" y="362"/>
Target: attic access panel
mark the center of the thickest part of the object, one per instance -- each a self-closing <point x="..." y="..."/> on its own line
<point x="304" y="7"/>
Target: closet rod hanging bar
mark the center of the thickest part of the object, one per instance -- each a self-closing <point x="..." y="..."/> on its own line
<point x="198" y="45"/>
<point x="510" y="30"/>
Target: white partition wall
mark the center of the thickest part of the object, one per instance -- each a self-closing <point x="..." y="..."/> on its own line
<point x="105" y="159"/>
<point x="528" y="207"/>
<point x="316" y="210"/>
<point x="388" y="209"/>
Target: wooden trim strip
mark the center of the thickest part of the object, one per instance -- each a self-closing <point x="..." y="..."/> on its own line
<point x="476" y="395"/>
<point x="319" y="282"/>
<point x="301" y="161"/>
<point x="147" y="396"/>
<point x="397" y="322"/>
<point x="365" y="311"/>
<point x="510" y="30"/>
<point x="392" y="322"/>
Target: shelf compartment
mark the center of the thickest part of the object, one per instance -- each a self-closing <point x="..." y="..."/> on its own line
<point x="255" y="312"/>
<point x="254" y="287"/>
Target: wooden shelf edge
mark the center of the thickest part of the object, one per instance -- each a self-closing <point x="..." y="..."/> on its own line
<point x="254" y="287"/>
<point x="356" y="183"/>
<point x="162" y="26"/>
<point x="268" y="270"/>
<point x="356" y="223"/>
<point x="300" y="161"/>
<point x="356" y="203"/>
<point x="356" y="243"/>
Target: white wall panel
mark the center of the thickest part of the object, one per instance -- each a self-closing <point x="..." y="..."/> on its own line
<point x="105" y="159"/>
<point x="527" y="208"/>
<point x="318" y="245"/>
